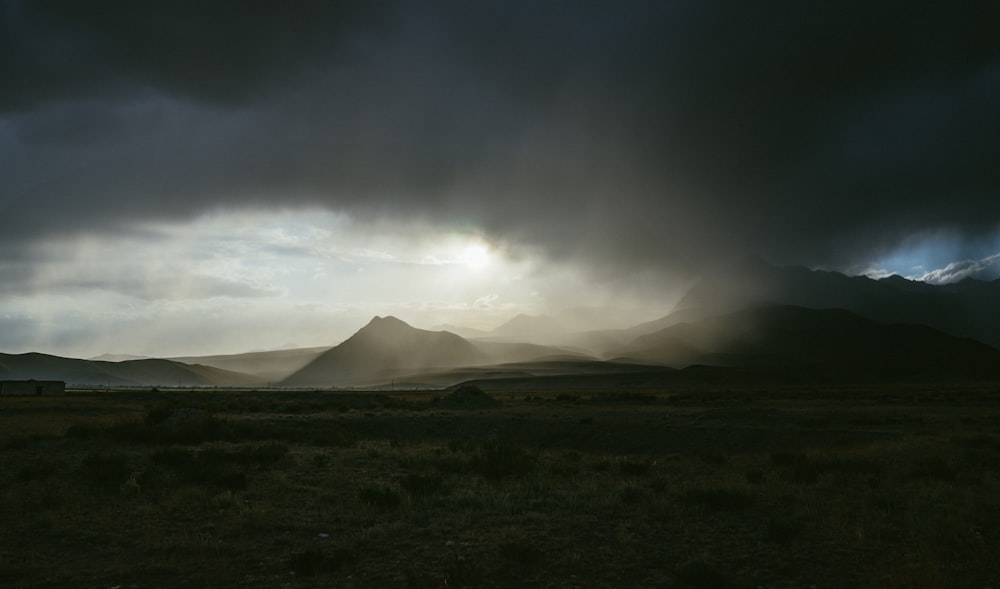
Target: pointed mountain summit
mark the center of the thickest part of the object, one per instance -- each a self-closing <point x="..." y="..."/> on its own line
<point x="385" y="348"/>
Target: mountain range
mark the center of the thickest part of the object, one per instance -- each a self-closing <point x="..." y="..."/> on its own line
<point x="129" y="373"/>
<point x="751" y="314"/>
<point x="968" y="308"/>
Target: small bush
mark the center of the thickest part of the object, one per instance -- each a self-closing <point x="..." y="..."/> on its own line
<point x="631" y="494"/>
<point x="265" y="454"/>
<point x="380" y="496"/>
<point x="782" y="530"/>
<point x="210" y="467"/>
<point x="463" y="573"/>
<point x="714" y="458"/>
<point x="703" y="575"/>
<point x="315" y="562"/>
<point x="461" y="445"/>
<point x="521" y="553"/>
<point x="852" y="466"/>
<point x="38" y="471"/>
<point x="39" y="498"/>
<point x="82" y="431"/>
<point x="422" y="485"/>
<point x="496" y="461"/>
<point x="720" y="499"/>
<point x="191" y="429"/>
<point x="157" y="414"/>
<point x="633" y="468"/>
<point x="799" y="468"/>
<point x="107" y="471"/>
<point x="933" y="468"/>
<point x="788" y="459"/>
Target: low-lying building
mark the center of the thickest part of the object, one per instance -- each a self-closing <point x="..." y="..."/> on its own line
<point x="32" y="387"/>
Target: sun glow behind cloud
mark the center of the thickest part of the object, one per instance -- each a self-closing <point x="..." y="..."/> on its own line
<point x="231" y="281"/>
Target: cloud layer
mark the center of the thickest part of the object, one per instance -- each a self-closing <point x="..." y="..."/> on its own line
<point x="664" y="132"/>
<point x="626" y="139"/>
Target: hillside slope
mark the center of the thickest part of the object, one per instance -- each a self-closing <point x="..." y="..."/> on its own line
<point x="149" y="372"/>
<point x="970" y="308"/>
<point x="382" y="349"/>
<point x="790" y="335"/>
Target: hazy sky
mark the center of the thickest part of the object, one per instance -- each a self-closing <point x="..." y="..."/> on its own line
<point x="191" y="177"/>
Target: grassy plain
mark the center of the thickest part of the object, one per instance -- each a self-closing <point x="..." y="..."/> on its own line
<point x="771" y="487"/>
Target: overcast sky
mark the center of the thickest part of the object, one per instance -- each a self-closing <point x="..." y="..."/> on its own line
<point x="191" y="177"/>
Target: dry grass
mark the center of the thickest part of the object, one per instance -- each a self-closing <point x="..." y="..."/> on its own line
<point x="302" y="490"/>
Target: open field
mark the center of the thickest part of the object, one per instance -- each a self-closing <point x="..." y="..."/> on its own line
<point x="762" y="487"/>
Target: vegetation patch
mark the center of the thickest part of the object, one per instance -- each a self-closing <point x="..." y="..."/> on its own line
<point x="422" y="485"/>
<point x="933" y="468"/>
<point x="313" y="561"/>
<point x="720" y="499"/>
<point x="694" y="493"/>
<point x="106" y="470"/>
<point x="380" y="496"/>
<point x="498" y="460"/>
<point x="702" y="575"/>
<point x="521" y="552"/>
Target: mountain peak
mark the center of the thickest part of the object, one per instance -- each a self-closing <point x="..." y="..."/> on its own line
<point x="386" y="323"/>
<point x="385" y="348"/>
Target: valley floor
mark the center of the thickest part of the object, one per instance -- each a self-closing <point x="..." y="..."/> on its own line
<point x="765" y="487"/>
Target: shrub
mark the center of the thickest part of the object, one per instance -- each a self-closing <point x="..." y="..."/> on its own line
<point x="37" y="471"/>
<point x="933" y="468"/>
<point x="700" y="574"/>
<point x="180" y="426"/>
<point x="82" y="430"/>
<point x="463" y="573"/>
<point x="460" y="445"/>
<point x="211" y="467"/>
<point x="105" y="470"/>
<point x="521" y="553"/>
<point x="782" y="530"/>
<point x="380" y="496"/>
<point x="631" y="494"/>
<point x="496" y="461"/>
<point x="633" y="468"/>
<point x="714" y="458"/>
<point x="720" y="499"/>
<point x="799" y="469"/>
<point x="421" y="485"/>
<point x="314" y="562"/>
<point x="157" y="414"/>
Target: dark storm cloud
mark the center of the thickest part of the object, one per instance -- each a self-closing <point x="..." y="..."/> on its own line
<point x="220" y="51"/>
<point x="666" y="133"/>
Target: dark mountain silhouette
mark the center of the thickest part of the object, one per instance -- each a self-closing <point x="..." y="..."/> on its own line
<point x="785" y="335"/>
<point x="149" y="372"/>
<point x="382" y="349"/>
<point x="969" y="308"/>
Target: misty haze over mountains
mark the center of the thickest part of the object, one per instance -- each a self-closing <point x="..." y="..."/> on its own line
<point x="752" y="314"/>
